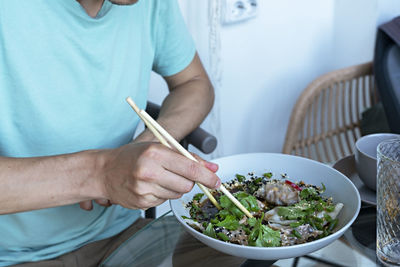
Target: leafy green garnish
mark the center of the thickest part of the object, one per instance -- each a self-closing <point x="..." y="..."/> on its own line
<point x="230" y="222"/>
<point x="223" y="236"/>
<point x="332" y="225"/>
<point x="296" y="233"/>
<point x="309" y="193"/>
<point x="296" y="224"/>
<point x="254" y="185"/>
<point x="198" y="196"/>
<point x="330" y="208"/>
<point x="240" y="178"/>
<point x="306" y="212"/>
<point x="248" y="201"/>
<point x="267" y="174"/>
<point x="214" y="221"/>
<point x="262" y="235"/>
<point x="323" y="188"/>
<point x="194" y="210"/>
<point x="229" y="208"/>
<point x="210" y="231"/>
<point x="292" y="212"/>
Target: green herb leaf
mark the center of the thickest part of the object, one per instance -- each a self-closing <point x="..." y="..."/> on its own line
<point x="252" y="221"/>
<point x="330" y="208"/>
<point x="240" y="178"/>
<point x="223" y="213"/>
<point x="309" y="193"/>
<point x="248" y="201"/>
<point x="296" y="224"/>
<point x="198" y="196"/>
<point x="223" y="236"/>
<point x="230" y="223"/>
<point x="332" y="225"/>
<point x="296" y="233"/>
<point x="267" y="174"/>
<point x="271" y="238"/>
<point x="323" y="188"/>
<point x="210" y="231"/>
<point x="292" y="212"/>
<point x="262" y="235"/>
<point x="214" y="221"/>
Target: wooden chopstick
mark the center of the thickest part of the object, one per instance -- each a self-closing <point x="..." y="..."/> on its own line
<point x="151" y="127"/>
<point x="162" y="134"/>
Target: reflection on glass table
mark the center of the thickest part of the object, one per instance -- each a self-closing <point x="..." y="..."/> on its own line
<point x="164" y="242"/>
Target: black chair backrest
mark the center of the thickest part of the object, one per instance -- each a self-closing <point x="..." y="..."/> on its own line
<point x="387" y="71"/>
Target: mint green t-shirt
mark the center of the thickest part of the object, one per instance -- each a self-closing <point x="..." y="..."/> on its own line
<point x="64" y="77"/>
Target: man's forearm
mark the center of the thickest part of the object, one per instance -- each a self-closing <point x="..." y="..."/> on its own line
<point x="183" y="110"/>
<point x="42" y="182"/>
<point x="186" y="107"/>
<point x="188" y="103"/>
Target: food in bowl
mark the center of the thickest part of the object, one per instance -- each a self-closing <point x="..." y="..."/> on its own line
<point x="285" y="213"/>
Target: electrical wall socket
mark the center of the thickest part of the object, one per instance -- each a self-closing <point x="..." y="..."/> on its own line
<point x="238" y="10"/>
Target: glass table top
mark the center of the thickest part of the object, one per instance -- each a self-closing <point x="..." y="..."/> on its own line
<point x="164" y="242"/>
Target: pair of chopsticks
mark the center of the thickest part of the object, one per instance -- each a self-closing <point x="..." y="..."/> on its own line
<point x="166" y="139"/>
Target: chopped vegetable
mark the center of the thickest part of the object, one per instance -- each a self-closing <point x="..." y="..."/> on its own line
<point x="295" y="186"/>
<point x="240" y="178"/>
<point x="262" y="235"/>
<point x="285" y="212"/>
<point x="267" y="174"/>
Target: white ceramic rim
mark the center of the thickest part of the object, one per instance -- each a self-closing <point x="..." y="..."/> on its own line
<point x="363" y="138"/>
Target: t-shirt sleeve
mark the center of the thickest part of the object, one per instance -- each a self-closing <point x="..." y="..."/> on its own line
<point x="174" y="46"/>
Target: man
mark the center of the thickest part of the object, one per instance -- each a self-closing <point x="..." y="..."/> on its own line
<point x="66" y="68"/>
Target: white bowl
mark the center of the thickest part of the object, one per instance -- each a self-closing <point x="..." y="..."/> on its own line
<point x="365" y="155"/>
<point x="297" y="168"/>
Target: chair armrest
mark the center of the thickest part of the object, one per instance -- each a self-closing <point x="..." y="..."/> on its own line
<point x="199" y="138"/>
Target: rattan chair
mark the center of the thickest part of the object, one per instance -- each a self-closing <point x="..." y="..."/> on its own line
<point x="325" y="121"/>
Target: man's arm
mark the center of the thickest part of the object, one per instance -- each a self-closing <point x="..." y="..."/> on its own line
<point x="185" y="107"/>
<point x="43" y="182"/>
<point x="137" y="175"/>
<point x="188" y="103"/>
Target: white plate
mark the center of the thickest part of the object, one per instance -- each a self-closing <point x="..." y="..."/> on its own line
<point x="297" y="168"/>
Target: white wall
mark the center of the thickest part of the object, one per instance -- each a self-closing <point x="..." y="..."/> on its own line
<point x="266" y="62"/>
<point x="355" y="26"/>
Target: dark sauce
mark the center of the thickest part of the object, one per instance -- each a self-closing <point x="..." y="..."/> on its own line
<point x="207" y="207"/>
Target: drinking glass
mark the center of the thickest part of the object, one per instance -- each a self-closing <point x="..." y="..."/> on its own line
<point x="388" y="203"/>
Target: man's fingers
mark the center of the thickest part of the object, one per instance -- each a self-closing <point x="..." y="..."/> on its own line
<point x="86" y="205"/>
<point x="103" y="202"/>
<point x="165" y="193"/>
<point x="209" y="165"/>
<point x="175" y="183"/>
<point x="190" y="169"/>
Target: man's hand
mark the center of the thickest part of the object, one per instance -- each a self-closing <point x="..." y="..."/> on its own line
<point x="190" y="99"/>
<point x="144" y="175"/>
